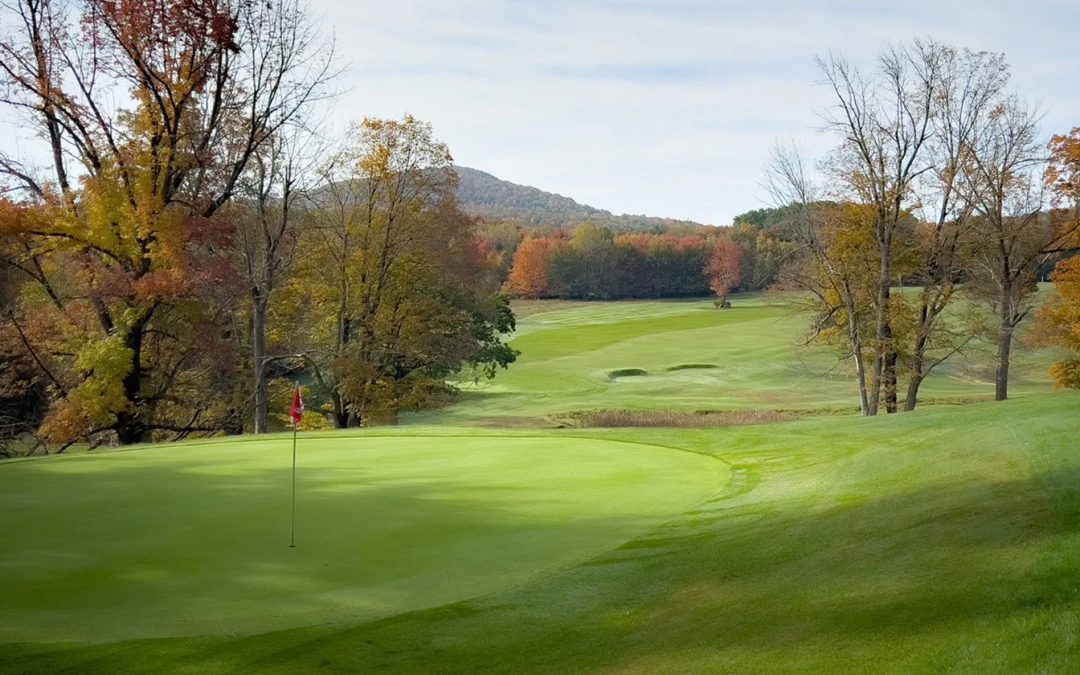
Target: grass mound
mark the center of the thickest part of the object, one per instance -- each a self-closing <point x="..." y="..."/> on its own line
<point x="626" y="372"/>
<point x="692" y="366"/>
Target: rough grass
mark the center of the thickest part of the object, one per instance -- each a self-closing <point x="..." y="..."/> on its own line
<point x="676" y="418"/>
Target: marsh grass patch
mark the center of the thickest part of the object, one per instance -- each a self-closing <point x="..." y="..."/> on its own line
<point x="676" y="418"/>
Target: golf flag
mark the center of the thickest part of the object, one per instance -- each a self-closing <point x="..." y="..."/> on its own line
<point x="296" y="412"/>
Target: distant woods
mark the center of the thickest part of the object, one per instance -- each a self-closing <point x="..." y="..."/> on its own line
<point x="592" y="262"/>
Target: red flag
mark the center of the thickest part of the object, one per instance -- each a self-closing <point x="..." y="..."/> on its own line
<point x="296" y="412"/>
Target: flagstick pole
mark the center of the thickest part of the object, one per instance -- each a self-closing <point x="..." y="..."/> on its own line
<point x="292" y="531"/>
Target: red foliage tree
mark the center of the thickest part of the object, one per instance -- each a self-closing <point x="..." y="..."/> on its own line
<point x="722" y="270"/>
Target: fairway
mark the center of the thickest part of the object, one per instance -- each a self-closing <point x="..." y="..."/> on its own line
<point x="386" y="525"/>
<point x="687" y="355"/>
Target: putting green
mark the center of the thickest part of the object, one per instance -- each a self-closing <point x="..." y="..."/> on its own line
<point x="193" y="539"/>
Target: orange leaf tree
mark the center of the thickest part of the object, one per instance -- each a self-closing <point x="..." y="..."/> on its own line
<point x="1059" y="318"/>
<point x="723" y="269"/>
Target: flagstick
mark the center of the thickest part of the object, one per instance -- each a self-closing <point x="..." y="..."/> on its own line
<point x="292" y="532"/>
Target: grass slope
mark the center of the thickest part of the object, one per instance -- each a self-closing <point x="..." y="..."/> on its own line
<point x="193" y="540"/>
<point x="570" y="353"/>
<point x="947" y="539"/>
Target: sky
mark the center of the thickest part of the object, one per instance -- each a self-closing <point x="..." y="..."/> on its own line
<point x="665" y="108"/>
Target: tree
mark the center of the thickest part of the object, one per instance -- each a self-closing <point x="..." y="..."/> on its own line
<point x="1003" y="182"/>
<point x="530" y="272"/>
<point x="125" y="247"/>
<point x="392" y="293"/>
<point x="1059" y="318"/>
<point x="885" y="121"/>
<point x="275" y="196"/>
<point x="972" y="84"/>
<point x="1059" y="322"/>
<point x="723" y="269"/>
<point x="835" y="263"/>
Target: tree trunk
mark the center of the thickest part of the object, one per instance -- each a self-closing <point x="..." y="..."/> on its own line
<point x="1001" y="377"/>
<point x="883" y="347"/>
<point x="890" y="377"/>
<point x="918" y="359"/>
<point x="341" y="414"/>
<point x="258" y="360"/>
<point x="918" y="362"/>
<point x="855" y="337"/>
<point x="130" y="426"/>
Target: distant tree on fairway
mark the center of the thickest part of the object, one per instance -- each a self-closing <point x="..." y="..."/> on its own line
<point x="723" y="269"/>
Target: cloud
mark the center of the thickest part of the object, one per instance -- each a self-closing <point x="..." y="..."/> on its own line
<point x="661" y="107"/>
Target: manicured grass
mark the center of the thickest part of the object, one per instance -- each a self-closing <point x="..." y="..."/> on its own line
<point x="194" y="539"/>
<point x="943" y="540"/>
<point x="572" y="358"/>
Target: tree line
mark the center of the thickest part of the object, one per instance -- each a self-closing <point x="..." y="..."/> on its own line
<point x="592" y="262"/>
<point x="195" y="240"/>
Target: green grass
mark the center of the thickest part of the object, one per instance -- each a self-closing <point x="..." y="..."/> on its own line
<point x="568" y="356"/>
<point x="165" y="542"/>
<point x="945" y="540"/>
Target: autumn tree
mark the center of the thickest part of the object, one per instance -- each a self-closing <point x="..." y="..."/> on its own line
<point x="152" y="112"/>
<point x="884" y="119"/>
<point x="1059" y="318"/>
<point x="392" y="293"/>
<point x="1004" y="183"/>
<point x="529" y="274"/>
<point x="723" y="269"/>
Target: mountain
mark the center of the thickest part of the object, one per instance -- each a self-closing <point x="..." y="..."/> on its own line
<point x="482" y="194"/>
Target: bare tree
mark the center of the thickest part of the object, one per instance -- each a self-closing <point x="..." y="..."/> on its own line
<point x="1003" y="181"/>
<point x="971" y="85"/>
<point x="834" y="274"/>
<point x="275" y="196"/>
<point x="885" y="122"/>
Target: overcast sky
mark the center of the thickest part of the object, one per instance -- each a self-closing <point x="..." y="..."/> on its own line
<point x="667" y="108"/>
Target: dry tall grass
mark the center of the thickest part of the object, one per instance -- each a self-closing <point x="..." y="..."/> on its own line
<point x="675" y="418"/>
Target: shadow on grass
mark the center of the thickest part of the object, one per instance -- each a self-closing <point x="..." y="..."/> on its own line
<point x="143" y="550"/>
<point x="811" y="582"/>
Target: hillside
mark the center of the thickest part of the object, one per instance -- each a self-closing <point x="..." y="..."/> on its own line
<point x="482" y="194"/>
